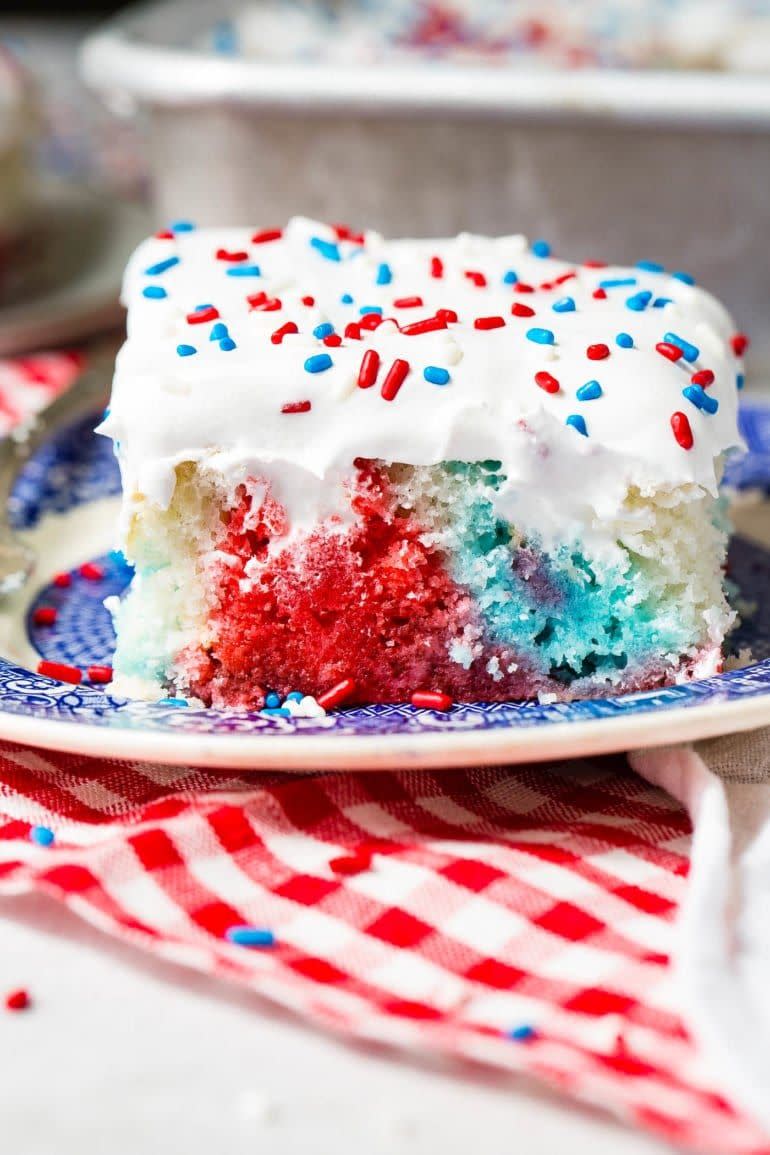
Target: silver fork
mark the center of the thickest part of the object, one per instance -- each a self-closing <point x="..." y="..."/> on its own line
<point x="86" y="394"/>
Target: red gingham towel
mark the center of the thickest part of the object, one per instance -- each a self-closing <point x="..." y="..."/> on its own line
<point x="496" y="899"/>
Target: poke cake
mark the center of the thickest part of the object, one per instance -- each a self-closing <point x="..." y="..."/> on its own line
<point x="461" y="465"/>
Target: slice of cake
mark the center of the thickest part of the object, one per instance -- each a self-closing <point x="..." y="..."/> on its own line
<point x="457" y="464"/>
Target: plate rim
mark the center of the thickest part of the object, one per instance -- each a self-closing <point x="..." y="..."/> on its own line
<point x="295" y="752"/>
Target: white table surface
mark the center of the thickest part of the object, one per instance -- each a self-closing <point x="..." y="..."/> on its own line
<point x="124" y="1056"/>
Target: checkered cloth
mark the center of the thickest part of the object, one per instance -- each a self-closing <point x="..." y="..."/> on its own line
<point x="521" y="918"/>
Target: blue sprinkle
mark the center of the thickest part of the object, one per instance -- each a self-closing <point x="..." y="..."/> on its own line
<point x="685" y="278"/>
<point x="639" y="301"/>
<point x="218" y="332"/>
<point x="510" y="278"/>
<point x="346" y="299"/>
<point x="205" y="305"/>
<point x="589" y="392"/>
<point x="618" y="283"/>
<point x="384" y="275"/>
<point x="176" y="702"/>
<point x="625" y="340"/>
<point x="370" y="309"/>
<point x="161" y="267"/>
<point x="295" y="696"/>
<point x="565" y="305"/>
<point x="740" y="381"/>
<point x="227" y="344"/>
<point x="186" y="350"/>
<point x="521" y="1034"/>
<point x="250" y="936"/>
<point x="154" y="292"/>
<point x="272" y="700"/>
<point x="244" y="271"/>
<point x="224" y="38"/>
<point x="661" y="302"/>
<point x="698" y="396"/>
<point x="41" y="836"/>
<point x="436" y="375"/>
<point x="323" y="330"/>
<point x="541" y="248"/>
<point x="106" y="413"/>
<point x="650" y="267"/>
<point x="318" y="363"/>
<point x="578" y="422"/>
<point x="275" y="712"/>
<point x="182" y="227"/>
<point x="327" y="249"/>
<point x="691" y="352"/>
<point x="541" y="336"/>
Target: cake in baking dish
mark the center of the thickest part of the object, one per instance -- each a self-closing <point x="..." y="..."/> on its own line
<point x="456" y="464"/>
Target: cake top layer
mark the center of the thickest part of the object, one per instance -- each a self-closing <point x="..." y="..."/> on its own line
<point x="313" y="345"/>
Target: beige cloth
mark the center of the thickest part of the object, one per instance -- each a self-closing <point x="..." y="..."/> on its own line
<point x="722" y="958"/>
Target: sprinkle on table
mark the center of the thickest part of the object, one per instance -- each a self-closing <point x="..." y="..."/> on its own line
<point x="255" y="937"/>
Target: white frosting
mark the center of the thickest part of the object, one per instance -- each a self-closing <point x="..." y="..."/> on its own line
<point x="224" y="407"/>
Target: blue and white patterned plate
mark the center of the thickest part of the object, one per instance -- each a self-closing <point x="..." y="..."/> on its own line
<point x="66" y="500"/>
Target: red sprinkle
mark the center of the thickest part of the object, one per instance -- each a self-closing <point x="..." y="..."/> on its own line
<point x="740" y="343"/>
<point x="523" y="287"/>
<point x="226" y="255"/>
<point x="489" y="323"/>
<point x="565" y="277"/>
<point x="353" y="331"/>
<point x="91" y="571"/>
<point x="262" y="236"/>
<point x="431" y="700"/>
<point x="17" y="1000"/>
<point x="60" y="672"/>
<point x="371" y="321"/>
<point x="436" y="267"/>
<point x="45" y="615"/>
<point x="99" y="673"/>
<point x="599" y="295"/>
<point x="669" y="351"/>
<point x="597" y="352"/>
<point x="395" y="378"/>
<point x="478" y="279"/>
<point x="370" y="367"/>
<point x="261" y="303"/>
<point x="164" y="235"/>
<point x="408" y="303"/>
<point x="704" y="377"/>
<point x="447" y="315"/>
<point x="520" y="310"/>
<point x="337" y="694"/>
<point x="682" y="430"/>
<point x="62" y="581"/>
<point x="345" y="233"/>
<point x="594" y="264"/>
<point x="547" y="382"/>
<point x="428" y="325"/>
<point x="333" y="340"/>
<point x="355" y="863"/>
<point x="200" y="316"/>
<point x="278" y="336"/>
<point x="296" y="407"/>
<point x="309" y="301"/>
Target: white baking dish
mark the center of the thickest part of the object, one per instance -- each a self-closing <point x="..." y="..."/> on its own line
<point x="670" y="166"/>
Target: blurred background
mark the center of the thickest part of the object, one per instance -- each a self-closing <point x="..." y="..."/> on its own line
<point x="618" y="129"/>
